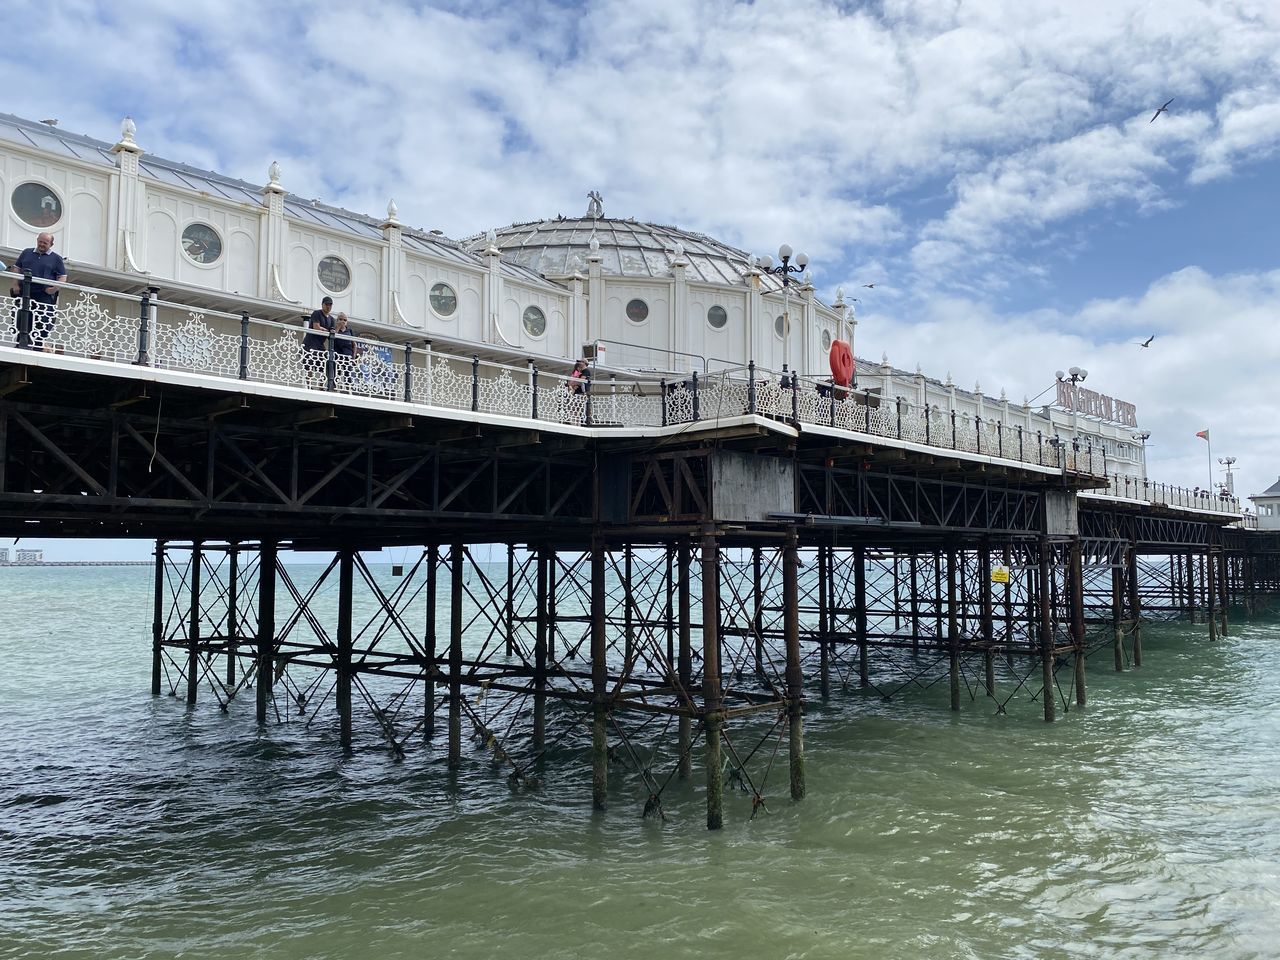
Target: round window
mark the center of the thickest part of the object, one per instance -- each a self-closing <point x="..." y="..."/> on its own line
<point x="334" y="275"/>
<point x="201" y="243"/>
<point x="826" y="339"/>
<point x="443" y="300"/>
<point x="535" y="321"/>
<point x="637" y="311"/>
<point x="717" y="317"/>
<point x="781" y="326"/>
<point x="36" y="204"/>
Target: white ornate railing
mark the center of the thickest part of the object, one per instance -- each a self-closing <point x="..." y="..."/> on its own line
<point x="175" y="337"/>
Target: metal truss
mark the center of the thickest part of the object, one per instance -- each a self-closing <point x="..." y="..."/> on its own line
<point x="125" y="471"/>
<point x="917" y="501"/>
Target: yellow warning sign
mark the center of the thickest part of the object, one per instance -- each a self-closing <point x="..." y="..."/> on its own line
<point x="1000" y="575"/>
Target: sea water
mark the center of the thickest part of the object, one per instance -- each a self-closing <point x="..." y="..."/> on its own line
<point x="1146" y="825"/>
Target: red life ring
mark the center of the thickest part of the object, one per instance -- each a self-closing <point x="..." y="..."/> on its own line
<point x="841" y="363"/>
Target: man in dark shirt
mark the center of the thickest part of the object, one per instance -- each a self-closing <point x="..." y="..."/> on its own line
<point x="315" y="344"/>
<point x="44" y="264"/>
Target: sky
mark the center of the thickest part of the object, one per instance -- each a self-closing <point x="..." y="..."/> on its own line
<point x="992" y="167"/>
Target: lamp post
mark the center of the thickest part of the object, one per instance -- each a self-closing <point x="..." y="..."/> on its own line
<point x="1073" y="376"/>
<point x="1231" y="480"/>
<point x="784" y="270"/>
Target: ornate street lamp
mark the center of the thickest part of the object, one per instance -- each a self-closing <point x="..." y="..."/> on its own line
<point x="1229" y="462"/>
<point x="784" y="270"/>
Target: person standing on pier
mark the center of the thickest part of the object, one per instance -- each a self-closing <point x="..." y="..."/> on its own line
<point x="44" y="264"/>
<point x="315" y="344"/>
<point x="344" y="351"/>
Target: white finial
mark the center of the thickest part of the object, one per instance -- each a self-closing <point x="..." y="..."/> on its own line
<point x="392" y="209"/>
<point x="594" y="244"/>
<point x="491" y="237"/>
<point x="839" y="296"/>
<point x="808" y="278"/>
<point x="273" y="172"/>
<point x="595" y="209"/>
<point x="1004" y="397"/>
<point x="127" y="129"/>
<point x="950" y="382"/>
<point x="678" y="251"/>
<point x="1026" y="400"/>
<point x="919" y="372"/>
<point x="977" y="386"/>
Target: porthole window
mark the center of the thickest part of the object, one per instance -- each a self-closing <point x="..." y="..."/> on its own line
<point x="826" y="339"/>
<point x="717" y="317"/>
<point x="443" y="300"/>
<point x="201" y="243"/>
<point x="334" y="275"/>
<point x="781" y="326"/>
<point x="535" y="321"/>
<point x="637" y="311"/>
<point x="36" y="205"/>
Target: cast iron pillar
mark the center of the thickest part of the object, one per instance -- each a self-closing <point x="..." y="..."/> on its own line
<point x="795" y="678"/>
<point x="713" y="706"/>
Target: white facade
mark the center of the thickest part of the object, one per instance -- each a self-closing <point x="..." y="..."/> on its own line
<point x="650" y="297"/>
<point x="1267" y="505"/>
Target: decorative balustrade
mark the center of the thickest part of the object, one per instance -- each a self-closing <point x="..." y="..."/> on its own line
<point x="175" y="337"/>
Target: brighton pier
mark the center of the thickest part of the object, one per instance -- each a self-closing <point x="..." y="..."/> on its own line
<point x="658" y="562"/>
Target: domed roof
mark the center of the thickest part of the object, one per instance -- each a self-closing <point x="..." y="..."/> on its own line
<point x="628" y="248"/>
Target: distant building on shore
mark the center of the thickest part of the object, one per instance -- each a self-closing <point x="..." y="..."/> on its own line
<point x="21" y="557"/>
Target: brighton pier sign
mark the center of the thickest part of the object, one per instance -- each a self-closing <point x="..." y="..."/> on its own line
<point x="1074" y="397"/>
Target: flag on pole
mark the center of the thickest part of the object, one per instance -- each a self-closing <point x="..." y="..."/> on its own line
<point x="1203" y="435"/>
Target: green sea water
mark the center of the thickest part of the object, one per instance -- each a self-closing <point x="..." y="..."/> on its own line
<point x="1146" y="825"/>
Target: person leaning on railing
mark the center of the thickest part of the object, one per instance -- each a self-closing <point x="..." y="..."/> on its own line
<point x="43" y="264"/>
<point x="315" y="344"/>
<point x="345" y="350"/>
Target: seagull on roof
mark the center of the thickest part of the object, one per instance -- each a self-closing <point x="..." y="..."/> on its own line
<point x="1164" y="109"/>
<point x="51" y="122"/>
<point x="1147" y="342"/>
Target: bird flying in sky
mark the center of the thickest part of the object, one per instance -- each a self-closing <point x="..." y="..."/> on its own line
<point x="1163" y="109"/>
<point x="1147" y="342"/>
<point x="869" y="286"/>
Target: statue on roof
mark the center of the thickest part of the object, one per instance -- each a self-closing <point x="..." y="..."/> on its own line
<point x="595" y="209"/>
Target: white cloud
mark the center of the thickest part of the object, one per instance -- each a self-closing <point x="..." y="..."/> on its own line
<point x="1211" y="364"/>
